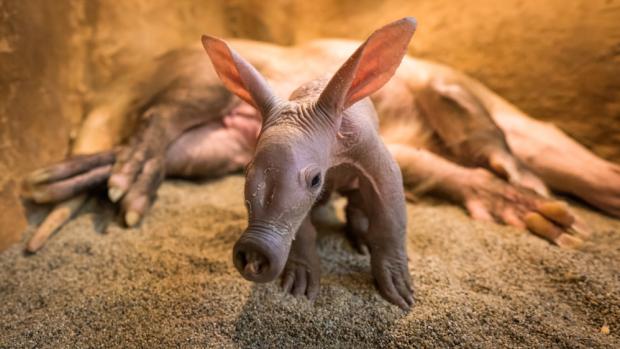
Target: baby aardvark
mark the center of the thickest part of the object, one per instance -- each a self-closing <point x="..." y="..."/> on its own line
<point x="447" y="132"/>
<point x="324" y="138"/>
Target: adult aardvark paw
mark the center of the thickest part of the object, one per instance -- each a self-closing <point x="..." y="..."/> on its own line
<point x="301" y="276"/>
<point x="392" y="278"/>
<point x="133" y="173"/>
<point x="138" y="172"/>
<point x="489" y="198"/>
<point x="135" y="184"/>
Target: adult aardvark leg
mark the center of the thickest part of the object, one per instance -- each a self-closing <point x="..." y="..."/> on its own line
<point x="469" y="135"/>
<point x="487" y="197"/>
<point x="208" y="150"/>
<point x="479" y="128"/>
<point x="131" y="170"/>
<point x="564" y="165"/>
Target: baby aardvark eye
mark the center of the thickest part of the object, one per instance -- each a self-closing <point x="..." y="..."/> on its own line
<point x="316" y="181"/>
<point x="311" y="177"/>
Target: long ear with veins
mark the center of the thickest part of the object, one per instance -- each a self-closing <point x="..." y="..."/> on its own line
<point x="369" y="68"/>
<point x="239" y="76"/>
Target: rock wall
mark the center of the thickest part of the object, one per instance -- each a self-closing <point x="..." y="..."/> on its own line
<point x="558" y="60"/>
<point x="42" y="54"/>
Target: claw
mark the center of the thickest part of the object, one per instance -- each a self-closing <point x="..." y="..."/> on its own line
<point x="287" y="281"/>
<point x="387" y="289"/>
<point x="540" y="226"/>
<point x="56" y="219"/>
<point x="403" y="290"/>
<point x="509" y="204"/>
<point x="546" y="229"/>
<point x="558" y="212"/>
<point x="38" y="176"/>
<point x="115" y="194"/>
<point x="568" y="241"/>
<point x="132" y="218"/>
<point x="37" y="196"/>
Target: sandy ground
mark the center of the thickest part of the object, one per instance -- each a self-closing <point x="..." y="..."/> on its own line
<point x="171" y="283"/>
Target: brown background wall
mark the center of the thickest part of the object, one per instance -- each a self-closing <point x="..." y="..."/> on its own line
<point x="558" y="60"/>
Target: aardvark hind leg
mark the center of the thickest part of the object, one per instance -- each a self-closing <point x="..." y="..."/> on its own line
<point x="487" y="197"/>
<point x="564" y="164"/>
<point x="470" y="136"/>
<point x="356" y="225"/>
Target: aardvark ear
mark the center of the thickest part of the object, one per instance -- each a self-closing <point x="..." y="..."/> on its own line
<point x="239" y="76"/>
<point x="369" y="68"/>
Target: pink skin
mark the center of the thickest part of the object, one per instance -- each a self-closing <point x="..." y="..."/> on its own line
<point x="449" y="134"/>
<point x="325" y="132"/>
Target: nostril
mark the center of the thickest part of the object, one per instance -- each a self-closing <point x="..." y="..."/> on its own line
<point x="255" y="263"/>
<point x="251" y="263"/>
<point x="240" y="260"/>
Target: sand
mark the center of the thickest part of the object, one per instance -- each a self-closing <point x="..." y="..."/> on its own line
<point x="171" y="283"/>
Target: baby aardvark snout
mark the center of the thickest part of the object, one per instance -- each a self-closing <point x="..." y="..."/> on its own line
<point x="260" y="254"/>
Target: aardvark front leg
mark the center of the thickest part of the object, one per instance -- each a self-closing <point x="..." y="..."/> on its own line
<point x="209" y="150"/>
<point x="302" y="271"/>
<point x="133" y="171"/>
<point x="384" y="201"/>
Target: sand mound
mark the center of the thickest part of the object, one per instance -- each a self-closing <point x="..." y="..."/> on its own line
<point x="171" y="283"/>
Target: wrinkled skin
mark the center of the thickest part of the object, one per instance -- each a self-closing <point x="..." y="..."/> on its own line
<point x="323" y="138"/>
<point x="450" y="136"/>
